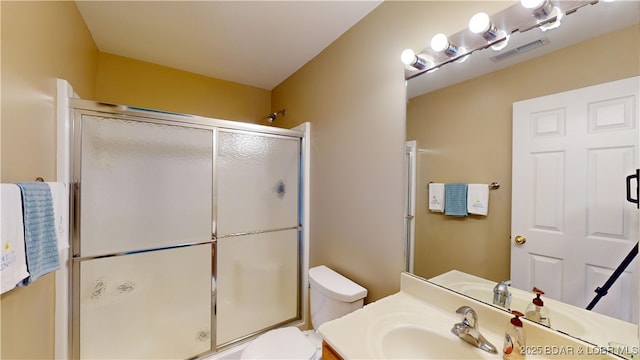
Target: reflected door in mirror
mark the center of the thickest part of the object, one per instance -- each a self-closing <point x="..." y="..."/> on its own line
<point x="567" y="145"/>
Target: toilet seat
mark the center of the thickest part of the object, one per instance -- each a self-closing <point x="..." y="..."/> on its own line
<point x="283" y="343"/>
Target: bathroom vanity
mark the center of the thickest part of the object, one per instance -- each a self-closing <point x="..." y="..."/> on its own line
<point x="416" y="322"/>
<point x="583" y="324"/>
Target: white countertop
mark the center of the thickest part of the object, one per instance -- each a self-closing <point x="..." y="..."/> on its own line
<point x="417" y="321"/>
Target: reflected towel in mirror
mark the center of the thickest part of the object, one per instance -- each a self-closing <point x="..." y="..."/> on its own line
<point x="478" y="199"/>
<point x="436" y="197"/>
<point x="455" y="199"/>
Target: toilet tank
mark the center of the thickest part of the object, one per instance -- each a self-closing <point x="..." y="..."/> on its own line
<point x="332" y="295"/>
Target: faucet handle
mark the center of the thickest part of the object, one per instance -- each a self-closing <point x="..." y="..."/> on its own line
<point x="464" y="311"/>
<point x="503" y="285"/>
<point x="501" y="294"/>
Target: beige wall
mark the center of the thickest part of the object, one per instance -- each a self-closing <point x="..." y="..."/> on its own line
<point x="127" y="81"/>
<point x="354" y="96"/>
<point x="353" y="93"/>
<point x="464" y="134"/>
<point x="41" y="41"/>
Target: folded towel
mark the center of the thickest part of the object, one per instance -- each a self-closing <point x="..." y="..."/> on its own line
<point x="455" y="199"/>
<point x="478" y="199"/>
<point x="436" y="197"/>
<point x="60" y="199"/>
<point x="13" y="268"/>
<point x="39" y="230"/>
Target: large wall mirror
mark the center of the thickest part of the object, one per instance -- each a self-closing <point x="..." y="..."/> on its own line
<point x="459" y="119"/>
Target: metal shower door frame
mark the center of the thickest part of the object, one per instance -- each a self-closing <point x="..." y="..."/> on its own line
<point x="80" y="108"/>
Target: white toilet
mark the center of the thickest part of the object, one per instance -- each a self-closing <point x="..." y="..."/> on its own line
<point x="332" y="296"/>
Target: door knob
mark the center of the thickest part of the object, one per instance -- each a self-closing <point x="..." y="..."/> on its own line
<point x="519" y="240"/>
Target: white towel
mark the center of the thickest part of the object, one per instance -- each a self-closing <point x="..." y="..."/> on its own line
<point x="436" y="197"/>
<point x="478" y="199"/>
<point x="60" y="199"/>
<point x="14" y="265"/>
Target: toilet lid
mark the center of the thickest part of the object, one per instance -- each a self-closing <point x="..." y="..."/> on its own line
<point x="284" y="343"/>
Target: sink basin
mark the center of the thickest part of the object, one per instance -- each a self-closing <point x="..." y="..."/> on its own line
<point x="401" y="336"/>
<point x="415" y="342"/>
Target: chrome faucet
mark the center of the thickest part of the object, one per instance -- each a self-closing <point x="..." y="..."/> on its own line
<point x="468" y="330"/>
<point x="501" y="294"/>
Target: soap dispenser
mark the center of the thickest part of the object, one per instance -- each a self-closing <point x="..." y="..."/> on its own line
<point x="501" y="294"/>
<point x="536" y="310"/>
<point x="514" y="338"/>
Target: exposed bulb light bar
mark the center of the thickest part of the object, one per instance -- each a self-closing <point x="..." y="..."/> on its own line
<point x="440" y="43"/>
<point x="482" y="33"/>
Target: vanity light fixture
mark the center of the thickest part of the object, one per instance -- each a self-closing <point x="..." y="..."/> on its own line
<point x="543" y="10"/>
<point x="410" y="58"/>
<point x="482" y="33"/>
<point x="481" y="24"/>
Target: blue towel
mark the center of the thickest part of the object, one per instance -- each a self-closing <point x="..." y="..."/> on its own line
<point x="455" y="199"/>
<point x="41" y="245"/>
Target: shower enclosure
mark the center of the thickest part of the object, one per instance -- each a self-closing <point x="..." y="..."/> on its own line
<point x="187" y="232"/>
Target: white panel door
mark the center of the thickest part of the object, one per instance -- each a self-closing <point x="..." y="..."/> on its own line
<point x="572" y="152"/>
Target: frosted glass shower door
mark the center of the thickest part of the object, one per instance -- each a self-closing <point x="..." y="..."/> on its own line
<point x="144" y="185"/>
<point x="143" y="264"/>
<point x="152" y="305"/>
<point x="258" y="233"/>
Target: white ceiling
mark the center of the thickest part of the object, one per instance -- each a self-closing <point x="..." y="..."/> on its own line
<point x="261" y="43"/>
<point x="256" y="43"/>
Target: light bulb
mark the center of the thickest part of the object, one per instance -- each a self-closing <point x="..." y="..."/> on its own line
<point x="532" y="4"/>
<point x="439" y="42"/>
<point x="408" y="56"/>
<point x="541" y="9"/>
<point x="479" y="23"/>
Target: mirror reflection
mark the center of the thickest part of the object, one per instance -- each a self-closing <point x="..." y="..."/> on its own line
<point x="460" y="128"/>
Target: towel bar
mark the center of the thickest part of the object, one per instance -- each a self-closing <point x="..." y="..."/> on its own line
<point x="493" y="186"/>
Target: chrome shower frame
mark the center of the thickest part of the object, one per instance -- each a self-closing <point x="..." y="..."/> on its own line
<point x="78" y="108"/>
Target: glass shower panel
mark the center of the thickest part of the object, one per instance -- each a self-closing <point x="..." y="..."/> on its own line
<point x="257" y="284"/>
<point x="144" y="185"/>
<point x="257" y="226"/>
<point x="151" y="305"/>
<point x="258" y="182"/>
